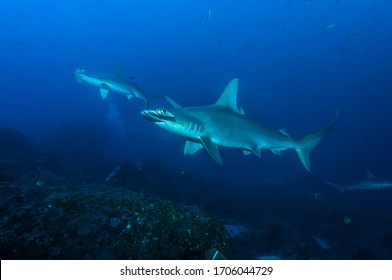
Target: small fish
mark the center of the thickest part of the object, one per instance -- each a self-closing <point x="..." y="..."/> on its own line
<point x="329" y="26"/>
<point x="40" y="182"/>
<point x="208" y="16"/>
<point x="347" y="219"/>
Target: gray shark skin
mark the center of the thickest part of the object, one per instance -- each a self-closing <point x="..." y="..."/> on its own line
<point x="371" y="183"/>
<point x="224" y="124"/>
<point x="111" y="82"/>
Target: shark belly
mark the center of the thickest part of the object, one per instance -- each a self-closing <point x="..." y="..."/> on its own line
<point x="91" y="81"/>
<point x="119" y="89"/>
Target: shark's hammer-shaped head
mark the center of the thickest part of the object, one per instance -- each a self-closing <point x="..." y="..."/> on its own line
<point x="80" y="74"/>
<point x="176" y="122"/>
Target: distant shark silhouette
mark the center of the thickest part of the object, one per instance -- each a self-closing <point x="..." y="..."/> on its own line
<point x="224" y="124"/>
<point x="370" y="183"/>
<point x="111" y="82"/>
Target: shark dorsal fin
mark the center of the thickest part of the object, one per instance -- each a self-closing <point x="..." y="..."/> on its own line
<point x="174" y="104"/>
<point x="229" y="96"/>
<point x="117" y="70"/>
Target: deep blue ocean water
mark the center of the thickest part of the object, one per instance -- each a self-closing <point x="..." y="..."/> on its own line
<point x="297" y="62"/>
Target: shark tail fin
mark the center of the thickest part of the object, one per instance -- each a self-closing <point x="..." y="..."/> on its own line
<point x="336" y="186"/>
<point x="309" y="142"/>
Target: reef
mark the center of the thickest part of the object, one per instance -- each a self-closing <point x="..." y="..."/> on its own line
<point x="98" y="221"/>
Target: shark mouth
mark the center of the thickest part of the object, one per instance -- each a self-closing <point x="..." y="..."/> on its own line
<point x="151" y="116"/>
<point x="158" y="116"/>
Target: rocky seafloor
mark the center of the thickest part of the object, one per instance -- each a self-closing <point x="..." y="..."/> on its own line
<point x="97" y="221"/>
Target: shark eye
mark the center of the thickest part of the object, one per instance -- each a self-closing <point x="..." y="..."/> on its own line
<point x="164" y="113"/>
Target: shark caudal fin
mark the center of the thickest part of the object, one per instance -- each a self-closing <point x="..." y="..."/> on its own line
<point x="309" y="142"/>
<point x="336" y="186"/>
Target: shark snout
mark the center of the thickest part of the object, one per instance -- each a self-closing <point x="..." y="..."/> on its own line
<point x="158" y="115"/>
<point x="151" y="115"/>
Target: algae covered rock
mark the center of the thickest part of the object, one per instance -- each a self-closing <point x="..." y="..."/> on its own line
<point x="93" y="221"/>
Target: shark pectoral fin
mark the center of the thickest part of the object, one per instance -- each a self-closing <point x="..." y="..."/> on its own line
<point x="105" y="86"/>
<point x="192" y="147"/>
<point x="174" y="104"/>
<point x="211" y="148"/>
<point x="129" y="96"/>
<point x="104" y="93"/>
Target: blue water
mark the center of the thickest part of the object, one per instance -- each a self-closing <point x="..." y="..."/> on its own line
<point x="297" y="62"/>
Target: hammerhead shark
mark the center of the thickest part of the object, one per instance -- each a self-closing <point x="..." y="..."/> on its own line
<point x="370" y="183"/>
<point x="111" y="82"/>
<point x="224" y="124"/>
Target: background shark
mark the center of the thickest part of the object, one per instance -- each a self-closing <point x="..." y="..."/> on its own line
<point x="370" y="183"/>
<point x="111" y="82"/>
<point x="224" y="124"/>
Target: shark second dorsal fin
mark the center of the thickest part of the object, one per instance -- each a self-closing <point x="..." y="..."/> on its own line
<point x="174" y="104"/>
<point x="229" y="97"/>
<point x="117" y="70"/>
<point x="284" y="132"/>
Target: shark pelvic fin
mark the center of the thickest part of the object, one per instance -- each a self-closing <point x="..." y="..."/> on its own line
<point x="229" y="97"/>
<point x="256" y="150"/>
<point x="192" y="147"/>
<point x="174" y="104"/>
<point x="104" y="92"/>
<point x="212" y="149"/>
<point x="117" y="70"/>
<point x="277" y="152"/>
<point x="129" y="96"/>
